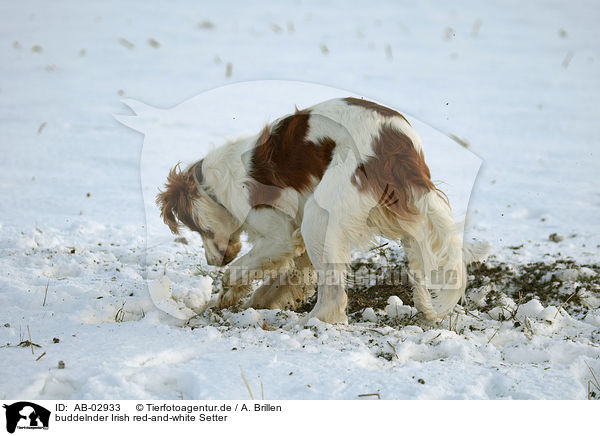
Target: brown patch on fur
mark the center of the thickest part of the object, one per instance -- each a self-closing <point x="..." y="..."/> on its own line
<point x="381" y="110"/>
<point x="175" y="202"/>
<point x="396" y="170"/>
<point x="283" y="158"/>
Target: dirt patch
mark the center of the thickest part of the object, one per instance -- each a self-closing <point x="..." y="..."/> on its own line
<point x="559" y="283"/>
<point x="371" y="284"/>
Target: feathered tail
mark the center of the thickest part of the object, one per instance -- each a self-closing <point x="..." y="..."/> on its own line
<point x="438" y="257"/>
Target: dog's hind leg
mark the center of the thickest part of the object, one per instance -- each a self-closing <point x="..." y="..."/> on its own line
<point x="329" y="256"/>
<point x="329" y="235"/>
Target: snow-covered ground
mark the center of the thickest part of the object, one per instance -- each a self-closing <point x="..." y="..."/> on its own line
<point x="518" y="81"/>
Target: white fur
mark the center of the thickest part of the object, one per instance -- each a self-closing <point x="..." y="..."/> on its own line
<point x="336" y="217"/>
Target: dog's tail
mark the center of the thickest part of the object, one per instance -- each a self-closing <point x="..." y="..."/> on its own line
<point x="438" y="258"/>
<point x="476" y="251"/>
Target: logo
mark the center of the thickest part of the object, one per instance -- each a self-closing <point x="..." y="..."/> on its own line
<point x="25" y="415"/>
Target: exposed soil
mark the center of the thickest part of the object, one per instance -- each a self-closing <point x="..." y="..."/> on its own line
<point x="522" y="283"/>
<point x="537" y="280"/>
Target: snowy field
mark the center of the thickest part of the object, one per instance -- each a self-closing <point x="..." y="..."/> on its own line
<point x="516" y="83"/>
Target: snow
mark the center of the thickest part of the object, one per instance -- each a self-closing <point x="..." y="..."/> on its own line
<point x="180" y="306"/>
<point x="369" y="314"/>
<point x="85" y="259"/>
<point x="395" y="309"/>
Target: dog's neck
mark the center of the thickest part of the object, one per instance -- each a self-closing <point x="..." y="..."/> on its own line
<point x="200" y="180"/>
<point x="198" y="172"/>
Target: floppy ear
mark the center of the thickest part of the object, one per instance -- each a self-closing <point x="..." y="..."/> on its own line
<point x="175" y="201"/>
<point x="167" y="207"/>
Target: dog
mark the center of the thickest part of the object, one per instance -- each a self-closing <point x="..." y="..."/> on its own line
<point x="307" y="190"/>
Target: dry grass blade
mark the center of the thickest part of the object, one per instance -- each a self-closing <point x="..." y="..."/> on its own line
<point x="376" y="331"/>
<point x="379" y="246"/>
<point x="30" y="341"/>
<point x="23" y="344"/>
<point x="120" y="315"/>
<point x="376" y="394"/>
<point x="593" y="374"/>
<point x="592" y="383"/>
<point x="262" y="389"/>
<point x="393" y="348"/>
<point x="40" y="356"/>
<point x="495" y="333"/>
<point x="246" y="383"/>
<point x="528" y="328"/>
<point x="513" y="313"/>
<point x="46" y="293"/>
<point x="469" y="313"/>
<point x="460" y="141"/>
<point x="563" y="303"/>
<point x="453" y="326"/>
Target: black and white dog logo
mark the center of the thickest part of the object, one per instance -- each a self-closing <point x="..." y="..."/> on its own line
<point x="26" y="415"/>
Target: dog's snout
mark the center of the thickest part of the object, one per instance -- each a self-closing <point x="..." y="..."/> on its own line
<point x="221" y="258"/>
<point x="212" y="261"/>
<point x="227" y="256"/>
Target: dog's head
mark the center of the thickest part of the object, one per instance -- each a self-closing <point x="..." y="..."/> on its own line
<point x="187" y="201"/>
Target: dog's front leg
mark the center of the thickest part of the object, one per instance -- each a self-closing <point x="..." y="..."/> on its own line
<point x="287" y="290"/>
<point x="229" y="296"/>
<point x="268" y="256"/>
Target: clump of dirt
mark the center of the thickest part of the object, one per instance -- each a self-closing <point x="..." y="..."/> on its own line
<point x="544" y="281"/>
<point x="376" y="296"/>
<point x="370" y="283"/>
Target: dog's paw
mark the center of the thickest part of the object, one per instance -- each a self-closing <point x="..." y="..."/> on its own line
<point x="298" y="243"/>
<point x="225" y="279"/>
<point x="330" y="317"/>
<point x="230" y="297"/>
<point x="226" y="299"/>
<point x="232" y="277"/>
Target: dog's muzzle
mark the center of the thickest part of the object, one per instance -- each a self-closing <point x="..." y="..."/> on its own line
<point x="228" y="256"/>
<point x="224" y="258"/>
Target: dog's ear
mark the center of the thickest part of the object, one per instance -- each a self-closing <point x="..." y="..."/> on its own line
<point x="175" y="202"/>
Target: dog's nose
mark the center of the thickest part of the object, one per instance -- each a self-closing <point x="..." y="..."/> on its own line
<point x="222" y="259"/>
<point x="214" y="260"/>
<point x="227" y="257"/>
